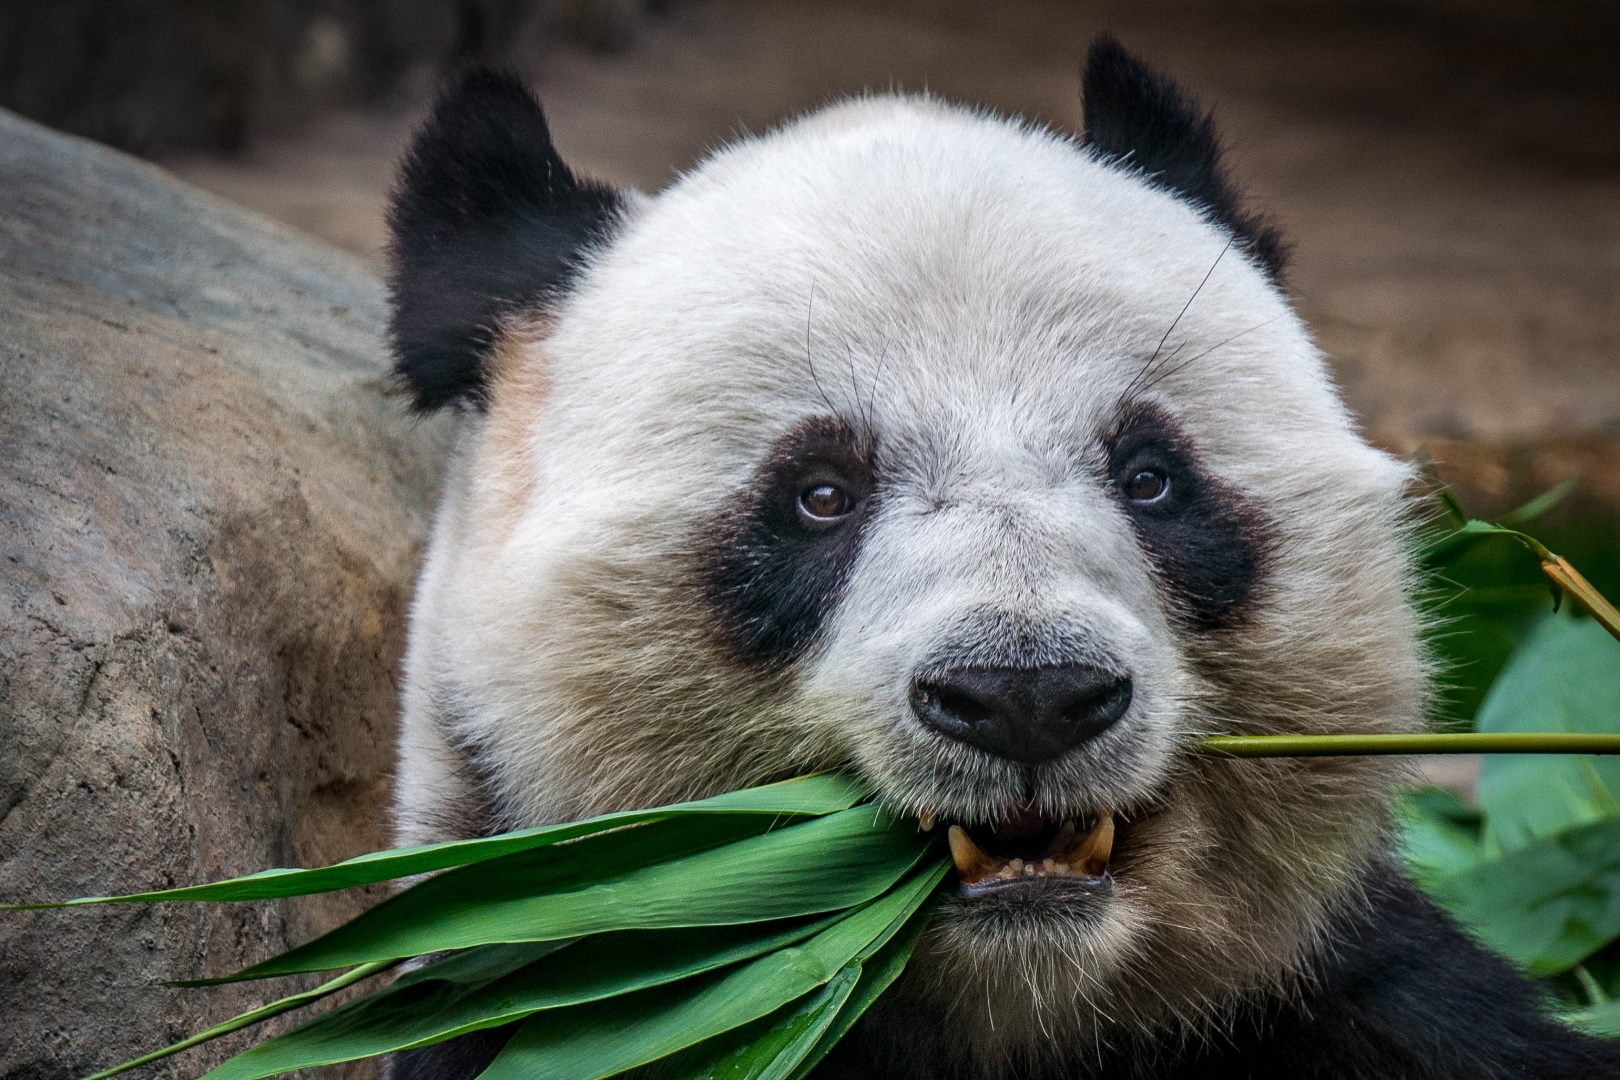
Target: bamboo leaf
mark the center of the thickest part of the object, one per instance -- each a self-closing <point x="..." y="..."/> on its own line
<point x="1563" y="576"/>
<point x="1439" y="835"/>
<point x="1548" y="905"/>
<point x="767" y="1049"/>
<point x="791" y="1041"/>
<point x="499" y="984"/>
<point x="591" y="1042"/>
<point x="1602" y="1020"/>
<point x="1542" y="503"/>
<point x="878" y="973"/>
<point x="1565" y="678"/>
<point x="821" y="865"/>
<point x="807" y="796"/>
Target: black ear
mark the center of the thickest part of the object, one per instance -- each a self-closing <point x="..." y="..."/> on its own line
<point x="1142" y="121"/>
<point x="485" y="219"/>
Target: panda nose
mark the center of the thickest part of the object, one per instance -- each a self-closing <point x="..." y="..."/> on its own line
<point x="1030" y="715"/>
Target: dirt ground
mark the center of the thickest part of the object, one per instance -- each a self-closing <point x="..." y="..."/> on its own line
<point x="1454" y="199"/>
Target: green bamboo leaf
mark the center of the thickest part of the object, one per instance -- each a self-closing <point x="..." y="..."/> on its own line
<point x="767" y="1049"/>
<point x="1446" y="546"/>
<point x="807" y="796"/>
<point x="1565" y="678"/>
<point x="591" y="1042"/>
<point x="789" y="1043"/>
<point x="1542" y="503"/>
<point x="561" y="868"/>
<point x="1602" y="1020"/>
<point x="499" y="984"/>
<point x="1439" y="835"/>
<point x="1547" y="905"/>
<point x="878" y="973"/>
<point x="820" y="865"/>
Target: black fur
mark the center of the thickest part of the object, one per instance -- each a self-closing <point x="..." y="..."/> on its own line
<point x="1401" y="994"/>
<point x="771" y="580"/>
<point x="461" y="1058"/>
<point x="1208" y="544"/>
<point x="1146" y="123"/>
<point x="486" y="219"/>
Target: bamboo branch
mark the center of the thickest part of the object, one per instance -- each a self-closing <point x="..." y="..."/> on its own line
<point x="1514" y="742"/>
<point x="1580" y="590"/>
<point x="255" y="1016"/>
<point x="1565" y="578"/>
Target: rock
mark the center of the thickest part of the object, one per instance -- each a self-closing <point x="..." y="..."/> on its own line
<point x="211" y="512"/>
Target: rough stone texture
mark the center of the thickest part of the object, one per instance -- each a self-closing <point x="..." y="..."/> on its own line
<point x="211" y="511"/>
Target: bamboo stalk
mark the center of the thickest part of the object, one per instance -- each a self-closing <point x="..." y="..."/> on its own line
<point x="1512" y="742"/>
<point x="256" y="1016"/>
<point x="1565" y="577"/>
<point x="1578" y="589"/>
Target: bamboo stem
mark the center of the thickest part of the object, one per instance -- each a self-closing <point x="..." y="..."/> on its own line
<point x="1565" y="577"/>
<point x="1247" y="746"/>
<point x="254" y="1016"/>
<point x="1580" y="590"/>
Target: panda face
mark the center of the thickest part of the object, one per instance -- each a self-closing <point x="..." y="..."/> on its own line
<point x="914" y="441"/>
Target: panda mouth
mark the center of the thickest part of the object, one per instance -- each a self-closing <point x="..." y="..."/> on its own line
<point x="1023" y="849"/>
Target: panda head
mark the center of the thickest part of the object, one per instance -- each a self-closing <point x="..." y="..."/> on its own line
<point x="988" y="462"/>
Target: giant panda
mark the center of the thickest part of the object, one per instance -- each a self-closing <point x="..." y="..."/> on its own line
<point x="993" y="464"/>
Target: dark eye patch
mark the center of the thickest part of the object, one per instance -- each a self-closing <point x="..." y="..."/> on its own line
<point x="774" y="571"/>
<point x="1208" y="543"/>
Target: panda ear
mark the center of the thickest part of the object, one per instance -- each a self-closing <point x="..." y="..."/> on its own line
<point x="1141" y="121"/>
<point x="485" y="219"/>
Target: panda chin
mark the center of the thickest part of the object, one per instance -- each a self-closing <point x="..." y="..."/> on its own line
<point x="1023" y="853"/>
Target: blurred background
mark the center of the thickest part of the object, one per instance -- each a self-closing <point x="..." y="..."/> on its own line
<point x="1449" y="170"/>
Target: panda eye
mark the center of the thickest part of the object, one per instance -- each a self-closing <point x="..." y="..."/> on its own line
<point x="1147" y="486"/>
<point x="823" y="504"/>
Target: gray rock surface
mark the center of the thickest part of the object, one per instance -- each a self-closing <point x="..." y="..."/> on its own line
<point x="211" y="512"/>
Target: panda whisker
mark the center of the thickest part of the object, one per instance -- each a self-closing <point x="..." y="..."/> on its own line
<point x="1179" y="315"/>
<point x="809" y="358"/>
<point x="1162" y="375"/>
<point x="854" y="380"/>
<point x="871" y="399"/>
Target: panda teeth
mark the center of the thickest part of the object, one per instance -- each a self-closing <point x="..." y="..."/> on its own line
<point x="1069" y="855"/>
<point x="1089" y="858"/>
<point x="972" y="864"/>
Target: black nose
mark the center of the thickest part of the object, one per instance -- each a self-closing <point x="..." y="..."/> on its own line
<point x="1030" y="715"/>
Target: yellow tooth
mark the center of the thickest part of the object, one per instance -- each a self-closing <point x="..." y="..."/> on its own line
<point x="972" y="865"/>
<point x="927" y="821"/>
<point x="1090" y="856"/>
